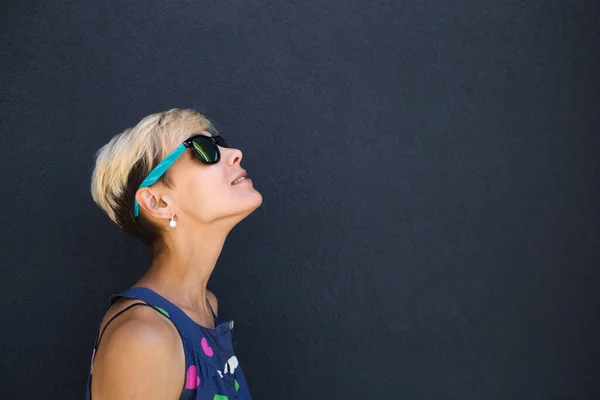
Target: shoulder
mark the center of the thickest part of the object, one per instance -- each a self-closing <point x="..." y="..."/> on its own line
<point x="140" y="355"/>
<point x="213" y="301"/>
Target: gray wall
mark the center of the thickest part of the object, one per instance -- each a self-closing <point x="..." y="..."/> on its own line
<point x="430" y="225"/>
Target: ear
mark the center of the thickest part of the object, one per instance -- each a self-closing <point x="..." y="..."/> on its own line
<point x="153" y="203"/>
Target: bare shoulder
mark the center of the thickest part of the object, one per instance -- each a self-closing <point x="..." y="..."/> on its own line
<point x="140" y="356"/>
<point x="213" y="301"/>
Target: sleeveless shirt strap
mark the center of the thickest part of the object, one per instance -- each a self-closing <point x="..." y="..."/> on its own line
<point x="211" y="309"/>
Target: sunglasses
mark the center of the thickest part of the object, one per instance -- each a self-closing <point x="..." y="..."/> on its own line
<point x="206" y="148"/>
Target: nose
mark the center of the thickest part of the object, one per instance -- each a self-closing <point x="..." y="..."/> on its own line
<point x="233" y="156"/>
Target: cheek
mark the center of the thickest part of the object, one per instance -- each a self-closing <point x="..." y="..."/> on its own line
<point x="207" y="194"/>
<point x="204" y="193"/>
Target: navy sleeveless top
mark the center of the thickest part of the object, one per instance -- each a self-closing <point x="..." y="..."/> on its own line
<point x="212" y="371"/>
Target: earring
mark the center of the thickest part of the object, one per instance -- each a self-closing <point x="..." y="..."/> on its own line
<point x="172" y="222"/>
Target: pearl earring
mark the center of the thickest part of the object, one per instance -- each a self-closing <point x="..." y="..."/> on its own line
<point x="172" y="222"/>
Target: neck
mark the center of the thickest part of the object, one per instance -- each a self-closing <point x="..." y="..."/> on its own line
<point x="182" y="270"/>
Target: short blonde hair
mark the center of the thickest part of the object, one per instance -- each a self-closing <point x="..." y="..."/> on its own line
<point x="123" y="163"/>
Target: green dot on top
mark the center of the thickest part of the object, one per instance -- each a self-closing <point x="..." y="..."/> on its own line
<point x="162" y="310"/>
<point x="237" y="385"/>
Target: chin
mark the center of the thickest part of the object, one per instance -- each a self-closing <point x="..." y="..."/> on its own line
<point x="253" y="205"/>
<point x="248" y="206"/>
<point x="259" y="200"/>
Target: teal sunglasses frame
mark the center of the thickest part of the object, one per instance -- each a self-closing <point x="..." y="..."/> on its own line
<point x="191" y="143"/>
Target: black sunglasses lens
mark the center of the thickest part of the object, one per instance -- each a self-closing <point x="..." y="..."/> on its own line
<point x="220" y="141"/>
<point x="205" y="149"/>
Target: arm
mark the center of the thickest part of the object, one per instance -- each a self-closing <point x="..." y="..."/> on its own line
<point x="141" y="357"/>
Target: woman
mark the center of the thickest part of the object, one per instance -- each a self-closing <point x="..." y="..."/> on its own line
<point x="177" y="185"/>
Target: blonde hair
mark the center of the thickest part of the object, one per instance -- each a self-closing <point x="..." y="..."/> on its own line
<point x="129" y="156"/>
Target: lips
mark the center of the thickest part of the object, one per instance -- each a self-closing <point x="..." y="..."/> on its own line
<point x="241" y="180"/>
<point x="242" y="174"/>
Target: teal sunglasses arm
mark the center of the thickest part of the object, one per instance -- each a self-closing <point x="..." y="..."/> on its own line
<point x="157" y="172"/>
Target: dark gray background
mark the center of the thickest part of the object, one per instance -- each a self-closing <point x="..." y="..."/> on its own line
<point x="430" y="225"/>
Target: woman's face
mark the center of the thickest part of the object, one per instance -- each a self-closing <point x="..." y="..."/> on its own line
<point x="206" y="193"/>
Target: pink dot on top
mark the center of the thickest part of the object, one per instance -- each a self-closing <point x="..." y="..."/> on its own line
<point x="206" y="348"/>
